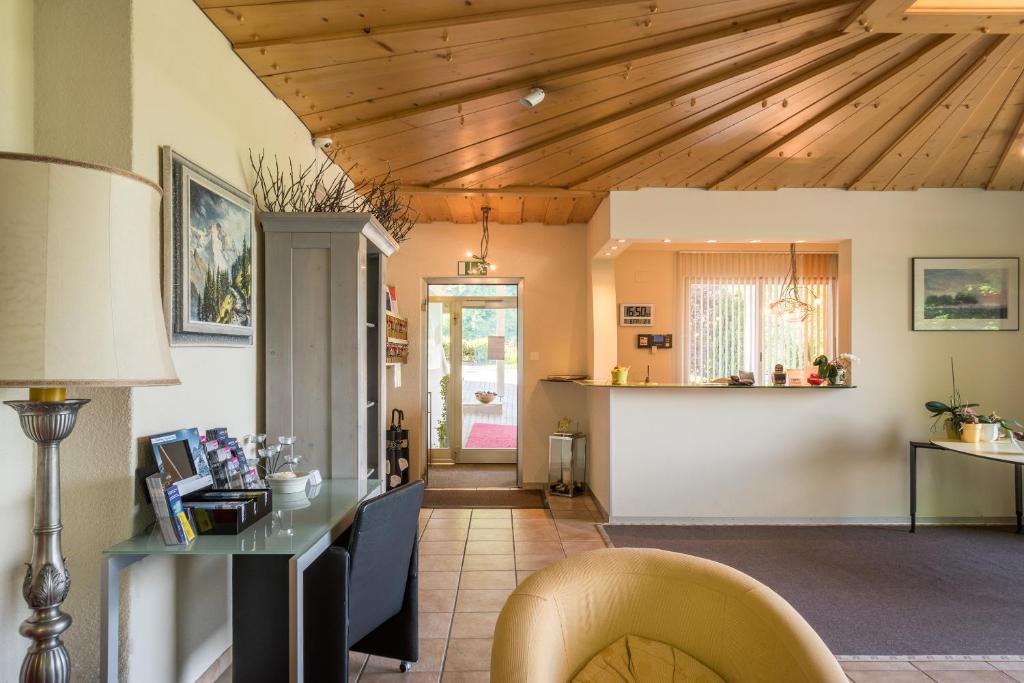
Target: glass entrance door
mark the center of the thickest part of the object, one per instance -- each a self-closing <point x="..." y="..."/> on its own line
<point x="487" y="381"/>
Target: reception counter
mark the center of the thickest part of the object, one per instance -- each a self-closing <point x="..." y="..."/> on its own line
<point x="700" y="454"/>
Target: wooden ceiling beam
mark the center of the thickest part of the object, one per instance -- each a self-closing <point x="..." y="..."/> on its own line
<point x="734" y="27"/>
<point x="686" y="89"/>
<point x="441" y="23"/>
<point x="935" y="105"/>
<point x="1016" y="142"/>
<point x="907" y="64"/>
<point x="831" y="61"/>
<point x="546" y="191"/>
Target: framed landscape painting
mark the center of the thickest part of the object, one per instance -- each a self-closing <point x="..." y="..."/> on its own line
<point x="208" y="256"/>
<point x="966" y="293"/>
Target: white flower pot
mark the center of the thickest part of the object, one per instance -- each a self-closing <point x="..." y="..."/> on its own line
<point x="989" y="432"/>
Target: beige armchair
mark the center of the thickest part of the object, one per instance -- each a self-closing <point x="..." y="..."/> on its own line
<point x="563" y="615"/>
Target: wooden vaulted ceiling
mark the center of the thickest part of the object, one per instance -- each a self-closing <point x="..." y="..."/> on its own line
<point x="718" y="94"/>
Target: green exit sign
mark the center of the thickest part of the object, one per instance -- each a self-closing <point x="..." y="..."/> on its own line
<point x="472" y="268"/>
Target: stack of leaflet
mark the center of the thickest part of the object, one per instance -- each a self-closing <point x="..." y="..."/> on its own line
<point x="174" y="523"/>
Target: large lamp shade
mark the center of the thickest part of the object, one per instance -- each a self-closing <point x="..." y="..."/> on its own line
<point x="79" y="276"/>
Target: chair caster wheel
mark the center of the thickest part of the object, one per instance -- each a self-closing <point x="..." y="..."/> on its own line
<point x="405" y="667"/>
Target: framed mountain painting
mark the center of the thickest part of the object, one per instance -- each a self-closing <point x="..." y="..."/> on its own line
<point x="966" y="293"/>
<point x="208" y="256"/>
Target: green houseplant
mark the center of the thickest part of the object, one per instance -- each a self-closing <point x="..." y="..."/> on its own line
<point x="956" y="415"/>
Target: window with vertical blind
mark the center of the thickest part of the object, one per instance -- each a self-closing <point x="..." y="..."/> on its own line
<point x="727" y="325"/>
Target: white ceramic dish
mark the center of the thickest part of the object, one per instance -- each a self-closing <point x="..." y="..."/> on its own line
<point x="282" y="484"/>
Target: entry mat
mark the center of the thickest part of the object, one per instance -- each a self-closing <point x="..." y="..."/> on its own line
<point x="875" y="590"/>
<point x="484" y="498"/>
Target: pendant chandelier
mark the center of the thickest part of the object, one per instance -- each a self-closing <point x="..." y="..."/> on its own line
<point x="791" y="307"/>
<point x="485" y="239"/>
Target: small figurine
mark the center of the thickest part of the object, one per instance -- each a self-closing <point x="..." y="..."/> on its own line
<point x="563" y="425"/>
<point x="779" y="376"/>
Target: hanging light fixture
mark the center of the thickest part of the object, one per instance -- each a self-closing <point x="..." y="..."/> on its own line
<point x="791" y="306"/>
<point x="485" y="239"/>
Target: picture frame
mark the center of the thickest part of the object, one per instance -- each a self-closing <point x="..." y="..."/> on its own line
<point x="209" y="269"/>
<point x="966" y="294"/>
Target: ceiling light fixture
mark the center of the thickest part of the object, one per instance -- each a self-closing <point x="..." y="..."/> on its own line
<point x="666" y="241"/>
<point x="712" y="241"/>
<point x="755" y="241"/>
<point x="790" y="307"/>
<point x="485" y="239"/>
<point x="532" y="98"/>
<point x="622" y="241"/>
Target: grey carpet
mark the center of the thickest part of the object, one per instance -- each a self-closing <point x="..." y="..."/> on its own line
<point x="875" y="590"/>
<point x="471" y="476"/>
<point x="495" y="498"/>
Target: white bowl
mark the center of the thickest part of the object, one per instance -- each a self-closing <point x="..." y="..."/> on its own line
<point x="282" y="484"/>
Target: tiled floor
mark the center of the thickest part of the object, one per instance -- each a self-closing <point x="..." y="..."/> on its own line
<point x="470" y="560"/>
<point x="937" y="671"/>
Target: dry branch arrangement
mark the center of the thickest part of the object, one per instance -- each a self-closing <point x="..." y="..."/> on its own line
<point x="319" y="188"/>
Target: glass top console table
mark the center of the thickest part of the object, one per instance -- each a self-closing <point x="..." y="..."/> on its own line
<point x="268" y="561"/>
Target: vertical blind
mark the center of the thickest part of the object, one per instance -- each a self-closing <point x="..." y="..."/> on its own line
<point x="727" y="326"/>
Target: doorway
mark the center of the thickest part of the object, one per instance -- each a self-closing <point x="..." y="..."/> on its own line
<point x="473" y="375"/>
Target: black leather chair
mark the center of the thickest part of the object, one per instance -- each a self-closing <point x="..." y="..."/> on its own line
<point x="361" y="594"/>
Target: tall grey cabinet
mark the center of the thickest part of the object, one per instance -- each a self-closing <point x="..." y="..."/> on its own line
<point x="325" y="368"/>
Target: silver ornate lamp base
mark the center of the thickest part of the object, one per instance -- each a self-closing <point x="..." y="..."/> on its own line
<point x="46" y="579"/>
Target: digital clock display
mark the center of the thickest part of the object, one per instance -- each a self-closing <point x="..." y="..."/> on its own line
<point x="636" y="315"/>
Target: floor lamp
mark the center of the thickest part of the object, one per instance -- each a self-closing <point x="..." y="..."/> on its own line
<point x="79" y="306"/>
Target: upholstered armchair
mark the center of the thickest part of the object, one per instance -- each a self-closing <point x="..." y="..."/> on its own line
<point x="562" y="616"/>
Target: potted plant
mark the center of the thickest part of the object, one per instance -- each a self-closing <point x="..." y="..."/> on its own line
<point x="836" y="371"/>
<point x="962" y="422"/>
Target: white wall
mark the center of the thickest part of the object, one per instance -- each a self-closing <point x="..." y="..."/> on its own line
<point x="192" y="93"/>
<point x="705" y="453"/>
<point x="550" y="259"/>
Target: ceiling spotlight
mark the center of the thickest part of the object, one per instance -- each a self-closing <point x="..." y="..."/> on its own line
<point x="532" y="98"/>
<point x="666" y="241"/>
<point x="622" y="241"/>
<point x="712" y="241"/>
<point x="755" y="241"/>
<point x="800" y="241"/>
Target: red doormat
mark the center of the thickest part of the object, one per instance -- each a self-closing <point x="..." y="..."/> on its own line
<point x="491" y="436"/>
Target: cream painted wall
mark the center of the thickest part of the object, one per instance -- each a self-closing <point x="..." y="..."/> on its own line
<point x="194" y="94"/>
<point x="752" y="456"/>
<point x="16" y="108"/>
<point x="551" y="259"/>
<point x="648" y="277"/>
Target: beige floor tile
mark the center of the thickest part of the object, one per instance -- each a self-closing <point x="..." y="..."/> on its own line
<point x="967" y="676"/>
<point x="576" y="547"/>
<point x="491" y="600"/>
<point x="540" y="534"/>
<point x="489" y="547"/>
<point x="447" y="523"/>
<point x="888" y="677"/>
<point x="537" y="561"/>
<point x="448" y="512"/>
<point x="485" y="513"/>
<point x="468" y="654"/>
<point x="953" y="665"/>
<point x="532" y="523"/>
<point x="474" y="624"/>
<point x="490" y="534"/>
<point x="877" y="666"/>
<point x="487" y="579"/>
<point x="521" y="575"/>
<point x="531" y="514"/>
<point x="438" y="580"/>
<point x="574" y="515"/>
<point x="444" y="535"/>
<point x="1008" y="666"/>
<point x="431" y="657"/>
<point x="466" y="677"/>
<point x="491" y="523"/>
<point x="538" y="548"/>
<point x="435" y="624"/>
<point x="442" y="547"/>
<point x="437" y="600"/>
<point x="489" y="562"/>
<point x="440" y="563"/>
<point x="578" y="532"/>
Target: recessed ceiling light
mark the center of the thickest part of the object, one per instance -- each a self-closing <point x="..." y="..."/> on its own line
<point x="666" y="241"/>
<point x="712" y="241"/>
<point x="755" y="241"/>
<point x="800" y="241"/>
<point x="622" y="241"/>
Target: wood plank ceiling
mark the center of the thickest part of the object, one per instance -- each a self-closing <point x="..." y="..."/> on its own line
<point x="717" y="94"/>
